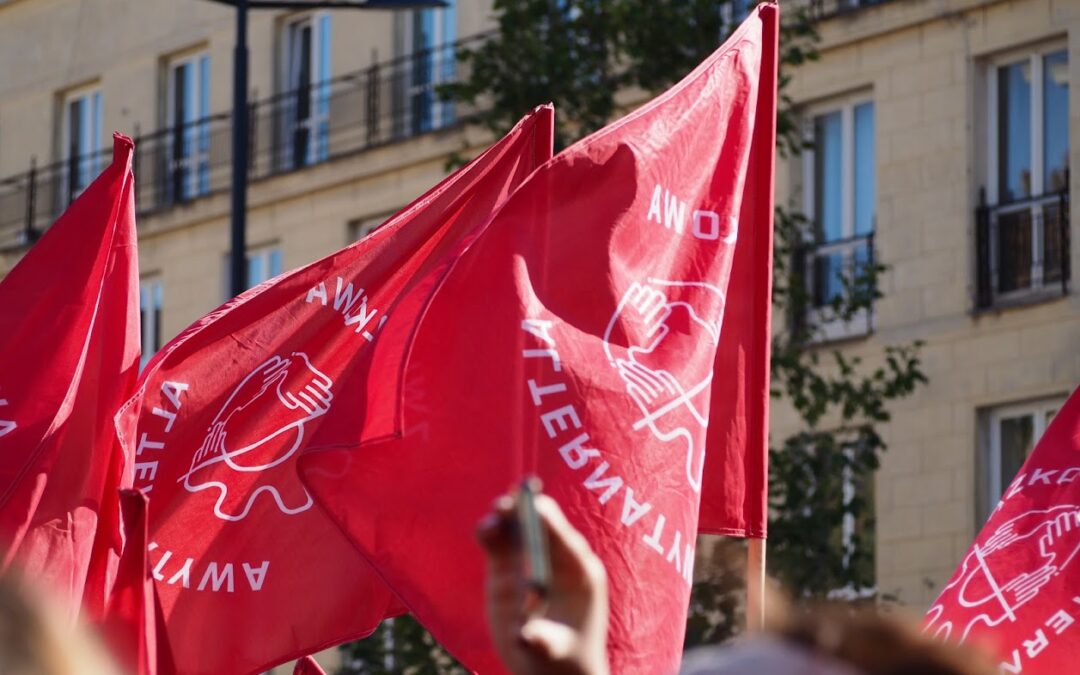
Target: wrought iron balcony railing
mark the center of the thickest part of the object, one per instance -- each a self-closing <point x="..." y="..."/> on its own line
<point x="1022" y="250"/>
<point x="827" y="272"/>
<point x="387" y="102"/>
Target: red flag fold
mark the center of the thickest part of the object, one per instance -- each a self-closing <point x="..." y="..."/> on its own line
<point x="69" y="334"/>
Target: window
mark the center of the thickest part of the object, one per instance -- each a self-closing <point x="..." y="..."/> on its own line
<point x="188" y="147"/>
<point x="839" y="191"/>
<point x="305" y="114"/>
<point x="263" y="264"/>
<point x="81" y="141"/>
<point x="429" y="35"/>
<point x="150" y="304"/>
<point x="358" y="229"/>
<point x="1022" y="222"/>
<point x="1014" y="431"/>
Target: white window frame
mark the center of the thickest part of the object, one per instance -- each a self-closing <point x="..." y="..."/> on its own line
<point x="443" y="64"/>
<point x="265" y="253"/>
<point x="1034" y="57"/>
<point x="151" y="299"/>
<point x="318" y="122"/>
<point x="92" y="161"/>
<point x="996" y="483"/>
<point x="197" y="163"/>
<point x="862" y="323"/>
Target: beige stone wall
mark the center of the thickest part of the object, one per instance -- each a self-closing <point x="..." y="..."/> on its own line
<point x="925" y="65"/>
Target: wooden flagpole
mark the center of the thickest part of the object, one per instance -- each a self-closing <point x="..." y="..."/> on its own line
<point x="755" y="585"/>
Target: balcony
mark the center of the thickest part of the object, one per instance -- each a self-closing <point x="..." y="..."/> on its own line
<point x="386" y="103"/>
<point x="836" y="277"/>
<point x="1022" y="251"/>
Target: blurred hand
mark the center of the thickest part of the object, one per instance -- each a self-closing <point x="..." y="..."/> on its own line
<point x="566" y="634"/>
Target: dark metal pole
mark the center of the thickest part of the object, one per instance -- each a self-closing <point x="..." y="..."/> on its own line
<point x="238" y="252"/>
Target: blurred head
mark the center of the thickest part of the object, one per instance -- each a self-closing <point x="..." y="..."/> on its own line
<point x="838" y="640"/>
<point x="38" y="639"/>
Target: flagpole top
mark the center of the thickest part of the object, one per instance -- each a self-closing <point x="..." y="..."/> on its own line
<point x="123" y="147"/>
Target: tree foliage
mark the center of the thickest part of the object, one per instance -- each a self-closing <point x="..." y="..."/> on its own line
<point x="587" y="56"/>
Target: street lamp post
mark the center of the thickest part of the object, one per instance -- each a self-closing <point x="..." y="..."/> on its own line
<point x="238" y="224"/>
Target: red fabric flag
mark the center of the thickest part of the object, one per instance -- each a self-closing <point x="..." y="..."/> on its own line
<point x="130" y="626"/>
<point x="1017" y="590"/>
<point x="249" y="575"/>
<point x="308" y="666"/>
<point x="69" y="334"/>
<point x="574" y="337"/>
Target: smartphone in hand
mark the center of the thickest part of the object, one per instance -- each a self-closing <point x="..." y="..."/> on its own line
<point x="534" y="542"/>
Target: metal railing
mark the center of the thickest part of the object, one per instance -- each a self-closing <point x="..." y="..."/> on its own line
<point x="1022" y="249"/>
<point x="386" y="102"/>
<point x="827" y="271"/>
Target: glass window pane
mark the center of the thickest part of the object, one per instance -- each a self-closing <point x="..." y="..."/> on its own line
<point x="255" y="270"/>
<point x="828" y="177"/>
<point x="864" y="169"/>
<point x="1014" y="131"/>
<point x="1055" y="120"/>
<point x="1017" y="440"/>
<point x="1014" y="248"/>
<point x="275" y="263"/>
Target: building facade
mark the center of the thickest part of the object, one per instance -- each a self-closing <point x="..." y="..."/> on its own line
<point x="942" y="148"/>
<point x="943" y="135"/>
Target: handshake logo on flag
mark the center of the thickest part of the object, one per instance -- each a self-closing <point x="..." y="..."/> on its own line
<point x="672" y="329"/>
<point x="1009" y="570"/>
<point x="260" y="427"/>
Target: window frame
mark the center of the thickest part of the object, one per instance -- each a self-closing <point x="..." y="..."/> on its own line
<point x="88" y="164"/>
<point x="196" y="165"/>
<point x="1037" y="409"/>
<point x="862" y="323"/>
<point x="152" y="301"/>
<point x="317" y="122"/>
<point x="1035" y="203"/>
<point x="441" y="64"/>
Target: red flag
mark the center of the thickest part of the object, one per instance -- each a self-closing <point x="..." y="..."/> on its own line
<point x="69" y="334"/>
<point x="130" y="626"/>
<point x="574" y="337"/>
<point x="308" y="666"/>
<point x="249" y="575"/>
<point x="1017" y="590"/>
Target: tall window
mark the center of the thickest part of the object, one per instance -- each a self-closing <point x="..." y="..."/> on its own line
<point x="429" y="37"/>
<point x="1026" y="228"/>
<point x="839" y="191"/>
<point x="188" y="106"/>
<point x="1014" y="431"/>
<point x="150" y="306"/>
<point x="305" y="119"/>
<point x="81" y="136"/>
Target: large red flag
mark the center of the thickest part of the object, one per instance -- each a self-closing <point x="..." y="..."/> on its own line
<point x="1017" y="590"/>
<point x="69" y="335"/>
<point x="249" y="575"/>
<point x="574" y="337"/>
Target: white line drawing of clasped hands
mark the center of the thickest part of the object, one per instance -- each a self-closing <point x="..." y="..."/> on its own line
<point x="667" y="389"/>
<point x="258" y="429"/>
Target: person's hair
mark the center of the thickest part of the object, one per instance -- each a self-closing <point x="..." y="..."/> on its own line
<point x="878" y="644"/>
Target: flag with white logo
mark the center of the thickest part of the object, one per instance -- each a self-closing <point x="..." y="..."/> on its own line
<point x="1017" y="590"/>
<point x="249" y="574"/>
<point x="574" y="337"/>
<point x="69" y="335"/>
